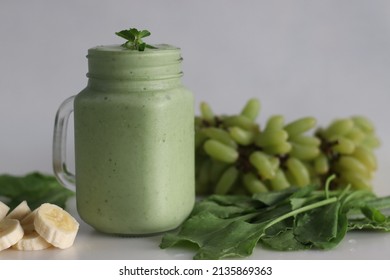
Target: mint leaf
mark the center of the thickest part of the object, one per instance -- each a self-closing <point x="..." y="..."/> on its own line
<point x="35" y="188"/>
<point x="144" y="33"/>
<point x="134" y="39"/>
<point x="126" y="34"/>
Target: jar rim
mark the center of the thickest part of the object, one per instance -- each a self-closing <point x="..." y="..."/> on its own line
<point x="120" y="50"/>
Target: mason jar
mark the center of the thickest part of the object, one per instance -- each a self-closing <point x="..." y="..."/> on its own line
<point x="134" y="141"/>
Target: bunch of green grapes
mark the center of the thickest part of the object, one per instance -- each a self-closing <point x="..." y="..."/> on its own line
<point x="234" y="155"/>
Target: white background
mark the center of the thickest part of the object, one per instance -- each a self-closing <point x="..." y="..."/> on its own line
<point x="327" y="59"/>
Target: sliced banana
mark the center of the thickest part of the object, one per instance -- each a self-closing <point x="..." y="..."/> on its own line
<point x="3" y="210"/>
<point x="20" y="211"/>
<point x="56" y="225"/>
<point x="31" y="241"/>
<point x="10" y="233"/>
<point x="28" y="222"/>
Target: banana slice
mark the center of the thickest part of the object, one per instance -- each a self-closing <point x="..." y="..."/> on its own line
<point x="10" y="233"/>
<point x="3" y="210"/>
<point x="56" y="225"/>
<point x="28" y="222"/>
<point x="31" y="241"/>
<point x="20" y="211"/>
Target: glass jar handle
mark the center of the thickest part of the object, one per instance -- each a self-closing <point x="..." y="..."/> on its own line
<point x="66" y="178"/>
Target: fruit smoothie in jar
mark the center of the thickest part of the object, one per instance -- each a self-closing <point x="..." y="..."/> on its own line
<point x="134" y="141"/>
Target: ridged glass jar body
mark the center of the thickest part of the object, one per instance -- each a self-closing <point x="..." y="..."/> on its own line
<point x="134" y="149"/>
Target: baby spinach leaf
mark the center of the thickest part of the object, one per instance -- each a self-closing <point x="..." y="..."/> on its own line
<point x="366" y="224"/>
<point x="237" y="239"/>
<point x="220" y="211"/>
<point x="373" y="214"/>
<point x="271" y="198"/>
<point x="318" y="226"/>
<point x="284" y="241"/>
<point x="35" y="188"/>
<point x="224" y="226"/>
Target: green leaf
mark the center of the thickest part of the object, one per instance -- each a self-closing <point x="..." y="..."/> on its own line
<point x="216" y="238"/>
<point x="236" y="239"/>
<point x="141" y="47"/>
<point x="317" y="226"/>
<point x="220" y="211"/>
<point x="144" y="33"/>
<point x="297" y="202"/>
<point x="134" y="32"/>
<point x="271" y="198"/>
<point x="373" y="214"/>
<point x="126" y="34"/>
<point x="242" y="201"/>
<point x="224" y="226"/>
<point x="284" y="241"/>
<point x="35" y="188"/>
<point x="197" y="229"/>
<point x="134" y="39"/>
<point x="366" y="224"/>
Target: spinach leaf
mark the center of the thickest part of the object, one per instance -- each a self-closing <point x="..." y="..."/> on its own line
<point x="224" y="226"/>
<point x="323" y="227"/>
<point x="284" y="241"/>
<point x="366" y="224"/>
<point x="35" y="188"/>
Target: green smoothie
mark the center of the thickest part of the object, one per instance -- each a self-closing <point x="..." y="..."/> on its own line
<point x="134" y="141"/>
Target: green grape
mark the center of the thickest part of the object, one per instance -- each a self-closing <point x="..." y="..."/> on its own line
<point x="298" y="171"/>
<point x="304" y="152"/>
<point x="350" y="163"/>
<point x="371" y="141"/>
<point x="364" y="123"/>
<point x="305" y="140"/>
<point x="356" y="180"/>
<point x="216" y="169"/>
<point x="219" y="135"/>
<point x="220" y="151"/>
<point x="199" y="138"/>
<point x="275" y="162"/>
<point x="229" y="148"/>
<point x="240" y="121"/>
<point x="300" y="126"/>
<point x="271" y="137"/>
<point x="253" y="184"/>
<point x="356" y="135"/>
<point x="241" y="136"/>
<point x="310" y="168"/>
<point x="279" y="149"/>
<point x="262" y="164"/>
<point x="227" y="180"/>
<point x="207" y="113"/>
<point x="275" y="122"/>
<point x="279" y="182"/>
<point x="365" y="156"/>
<point x="203" y="179"/>
<point x="251" y="109"/>
<point x="198" y="121"/>
<point x="321" y="164"/>
<point x="339" y="127"/>
<point x="343" y="145"/>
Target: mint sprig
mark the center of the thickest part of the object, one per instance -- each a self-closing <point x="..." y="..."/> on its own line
<point x="134" y="39"/>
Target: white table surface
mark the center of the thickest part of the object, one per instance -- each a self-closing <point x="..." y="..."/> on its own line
<point x="90" y="244"/>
